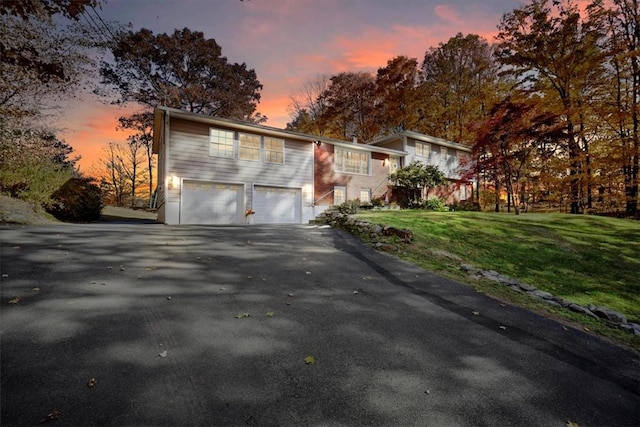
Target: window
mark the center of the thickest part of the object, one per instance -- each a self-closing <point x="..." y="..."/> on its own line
<point x="365" y="195"/>
<point x="249" y="147"/>
<point x="339" y="195"/>
<point x="351" y="161"/>
<point x="221" y="143"/>
<point x="463" y="192"/>
<point x="423" y="149"/>
<point x="273" y="150"/>
<point x="443" y="152"/>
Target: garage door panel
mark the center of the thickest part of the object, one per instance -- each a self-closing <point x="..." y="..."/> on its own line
<point x="273" y="205"/>
<point x="211" y="203"/>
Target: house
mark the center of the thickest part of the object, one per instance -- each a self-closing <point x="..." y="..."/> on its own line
<point x="219" y="171"/>
<point x="450" y="158"/>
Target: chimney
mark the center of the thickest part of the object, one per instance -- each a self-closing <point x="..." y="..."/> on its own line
<point x="355" y="139"/>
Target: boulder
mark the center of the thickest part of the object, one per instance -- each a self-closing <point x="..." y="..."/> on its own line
<point x="610" y="315"/>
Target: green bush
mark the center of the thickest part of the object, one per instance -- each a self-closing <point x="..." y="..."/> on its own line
<point x="435" y="204"/>
<point x="465" y="206"/>
<point x="78" y="200"/>
<point x="350" y="207"/>
<point x="33" y="180"/>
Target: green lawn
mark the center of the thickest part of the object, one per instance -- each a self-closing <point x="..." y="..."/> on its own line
<point x="583" y="259"/>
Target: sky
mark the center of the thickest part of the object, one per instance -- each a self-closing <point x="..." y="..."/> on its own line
<point x="287" y="43"/>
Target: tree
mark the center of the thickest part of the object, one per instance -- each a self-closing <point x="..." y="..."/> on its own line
<point x="548" y="48"/>
<point x="122" y="165"/>
<point x="396" y="96"/>
<point x="617" y="102"/>
<point x="183" y="70"/>
<point x="459" y="84"/>
<point x="507" y="145"/>
<point x="33" y="162"/>
<point x="45" y="8"/>
<point x="308" y="107"/>
<point x="414" y="180"/>
<point x="142" y="124"/>
<point x="40" y="57"/>
<point x="350" y="103"/>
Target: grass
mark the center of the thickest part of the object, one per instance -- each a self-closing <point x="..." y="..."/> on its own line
<point x="583" y="259"/>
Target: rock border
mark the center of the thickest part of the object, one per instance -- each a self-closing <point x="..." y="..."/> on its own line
<point x="361" y="227"/>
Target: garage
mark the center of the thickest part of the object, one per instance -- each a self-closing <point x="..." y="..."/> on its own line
<point x="276" y="205"/>
<point x="211" y="203"/>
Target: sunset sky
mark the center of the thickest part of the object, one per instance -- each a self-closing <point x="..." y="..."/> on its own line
<point x="287" y="43"/>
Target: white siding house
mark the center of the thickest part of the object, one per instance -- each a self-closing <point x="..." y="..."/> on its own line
<point x="219" y="171"/>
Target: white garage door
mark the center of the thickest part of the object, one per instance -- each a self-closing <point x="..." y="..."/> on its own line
<point x="273" y="205"/>
<point x="211" y="203"/>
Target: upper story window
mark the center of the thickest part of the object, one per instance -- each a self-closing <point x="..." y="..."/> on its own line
<point x="423" y="149"/>
<point x="443" y="152"/>
<point x="273" y="150"/>
<point x="221" y="143"/>
<point x="347" y="161"/>
<point x="245" y="146"/>
<point x="248" y="147"/>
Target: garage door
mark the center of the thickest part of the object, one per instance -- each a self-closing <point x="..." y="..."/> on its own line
<point x="211" y="203"/>
<point x="274" y="205"/>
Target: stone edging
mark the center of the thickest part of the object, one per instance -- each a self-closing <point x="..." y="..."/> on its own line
<point x="361" y="227"/>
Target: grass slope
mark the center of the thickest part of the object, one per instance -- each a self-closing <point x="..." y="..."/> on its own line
<point x="584" y="259"/>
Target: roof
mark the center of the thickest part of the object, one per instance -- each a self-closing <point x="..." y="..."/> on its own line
<point x="253" y="127"/>
<point x="421" y="137"/>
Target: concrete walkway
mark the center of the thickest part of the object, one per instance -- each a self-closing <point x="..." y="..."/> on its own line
<point x="145" y="324"/>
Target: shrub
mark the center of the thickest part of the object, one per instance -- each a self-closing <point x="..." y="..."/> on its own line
<point x="78" y="200"/>
<point x="349" y="207"/>
<point x="435" y="204"/>
<point x="465" y="206"/>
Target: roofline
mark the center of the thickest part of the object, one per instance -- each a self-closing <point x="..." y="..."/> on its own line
<point x="422" y="137"/>
<point x="271" y="131"/>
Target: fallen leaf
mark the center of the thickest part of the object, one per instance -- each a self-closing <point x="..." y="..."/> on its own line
<point x="503" y="305"/>
<point x="109" y="268"/>
<point x="53" y="415"/>
<point x="249" y="277"/>
<point x="92" y="383"/>
<point x="291" y="295"/>
<point x="565" y="328"/>
<point x="504" y="328"/>
<point x="242" y="315"/>
<point x="427" y="392"/>
<point x="270" y="314"/>
<point x="169" y="298"/>
<point x="36" y="289"/>
<point x="163" y="354"/>
<point x="93" y="282"/>
<point x="587" y="329"/>
<point x="572" y="424"/>
<point x="355" y="292"/>
<point x="4" y="276"/>
<point x="476" y="313"/>
<point x="310" y="360"/>
<point x="307" y="272"/>
<point x="15" y="299"/>
<point x="121" y="268"/>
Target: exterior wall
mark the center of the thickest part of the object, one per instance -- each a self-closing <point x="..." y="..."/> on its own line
<point x="326" y="178"/>
<point x="189" y="159"/>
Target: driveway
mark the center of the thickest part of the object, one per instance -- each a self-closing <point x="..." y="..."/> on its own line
<point x="146" y="324"/>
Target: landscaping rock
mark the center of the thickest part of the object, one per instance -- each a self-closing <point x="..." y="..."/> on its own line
<point x="610" y="315"/>
<point x="580" y="309"/>
<point x="541" y="294"/>
<point x="526" y="288"/>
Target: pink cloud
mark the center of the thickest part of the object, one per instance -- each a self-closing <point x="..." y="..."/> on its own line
<point x="448" y="13"/>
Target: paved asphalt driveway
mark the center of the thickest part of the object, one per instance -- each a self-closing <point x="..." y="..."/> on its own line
<point x="393" y="344"/>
